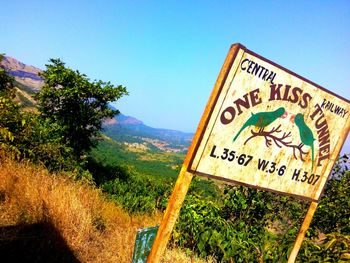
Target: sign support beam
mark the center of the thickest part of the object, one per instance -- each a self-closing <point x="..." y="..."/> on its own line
<point x="302" y="231"/>
<point x="170" y="215"/>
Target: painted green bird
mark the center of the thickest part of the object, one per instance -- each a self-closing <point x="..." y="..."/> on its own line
<point x="306" y="136"/>
<point x="262" y="119"/>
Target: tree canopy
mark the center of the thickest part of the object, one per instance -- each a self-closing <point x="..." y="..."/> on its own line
<point x="76" y="104"/>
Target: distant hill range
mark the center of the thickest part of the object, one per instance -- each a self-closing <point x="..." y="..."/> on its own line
<point x="129" y="130"/>
<point x="134" y="132"/>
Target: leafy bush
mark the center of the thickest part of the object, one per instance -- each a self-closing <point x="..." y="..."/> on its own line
<point x="137" y="193"/>
<point x="333" y="247"/>
<point x="233" y="229"/>
<point x="248" y="225"/>
<point x="333" y="212"/>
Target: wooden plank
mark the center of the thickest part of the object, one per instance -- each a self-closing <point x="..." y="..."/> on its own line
<point x="184" y="179"/>
<point x="304" y="227"/>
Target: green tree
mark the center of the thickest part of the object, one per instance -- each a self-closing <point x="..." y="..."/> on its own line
<point x="10" y="116"/>
<point x="76" y="104"/>
<point x="6" y="81"/>
<point x="333" y="212"/>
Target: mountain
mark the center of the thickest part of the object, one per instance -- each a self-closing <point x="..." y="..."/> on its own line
<point x="27" y="80"/>
<point x="24" y="75"/>
<point x="131" y="130"/>
<point x="127" y="129"/>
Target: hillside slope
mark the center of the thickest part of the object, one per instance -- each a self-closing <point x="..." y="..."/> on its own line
<point x="38" y="208"/>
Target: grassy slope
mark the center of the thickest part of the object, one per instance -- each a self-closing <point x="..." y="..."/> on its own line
<point x="94" y="229"/>
<point x="147" y="162"/>
<point x="162" y="166"/>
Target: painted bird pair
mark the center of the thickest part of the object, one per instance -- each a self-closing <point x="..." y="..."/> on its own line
<point x="263" y="119"/>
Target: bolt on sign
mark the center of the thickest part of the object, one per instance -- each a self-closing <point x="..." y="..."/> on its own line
<point x="271" y="129"/>
<point x="264" y="127"/>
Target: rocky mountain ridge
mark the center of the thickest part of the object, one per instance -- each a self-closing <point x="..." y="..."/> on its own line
<point x="26" y="75"/>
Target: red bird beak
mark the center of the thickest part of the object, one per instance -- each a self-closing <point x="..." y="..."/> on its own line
<point x="285" y="114"/>
<point x="292" y="118"/>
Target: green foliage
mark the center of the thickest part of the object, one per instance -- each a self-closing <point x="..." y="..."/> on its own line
<point x="148" y="163"/>
<point x="233" y="229"/>
<point x="40" y="142"/>
<point x="334" y="247"/>
<point x="341" y="166"/>
<point x="248" y="225"/>
<point x="136" y="193"/>
<point x="333" y="212"/>
<point x="76" y="104"/>
<point x="246" y="204"/>
<point x="139" y="181"/>
<point x="24" y="135"/>
<point x="6" y="82"/>
<point x="200" y="227"/>
<point x="204" y="188"/>
<point x="11" y="119"/>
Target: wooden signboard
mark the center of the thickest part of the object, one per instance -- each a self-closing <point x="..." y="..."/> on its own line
<point x="271" y="129"/>
<point x="264" y="127"/>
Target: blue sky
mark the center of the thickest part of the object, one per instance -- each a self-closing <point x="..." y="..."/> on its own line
<point x="169" y="53"/>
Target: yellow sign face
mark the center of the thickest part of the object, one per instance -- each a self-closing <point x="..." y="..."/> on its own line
<point x="271" y="129"/>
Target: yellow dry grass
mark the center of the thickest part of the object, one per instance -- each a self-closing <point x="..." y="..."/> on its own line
<point x="95" y="229"/>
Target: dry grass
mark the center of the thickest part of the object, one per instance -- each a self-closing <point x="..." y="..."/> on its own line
<point x="94" y="229"/>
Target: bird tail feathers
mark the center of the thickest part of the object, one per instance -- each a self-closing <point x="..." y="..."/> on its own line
<point x="234" y="139"/>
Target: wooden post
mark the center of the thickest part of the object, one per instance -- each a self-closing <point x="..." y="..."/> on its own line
<point x="184" y="179"/>
<point x="302" y="231"/>
<point x="170" y="215"/>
